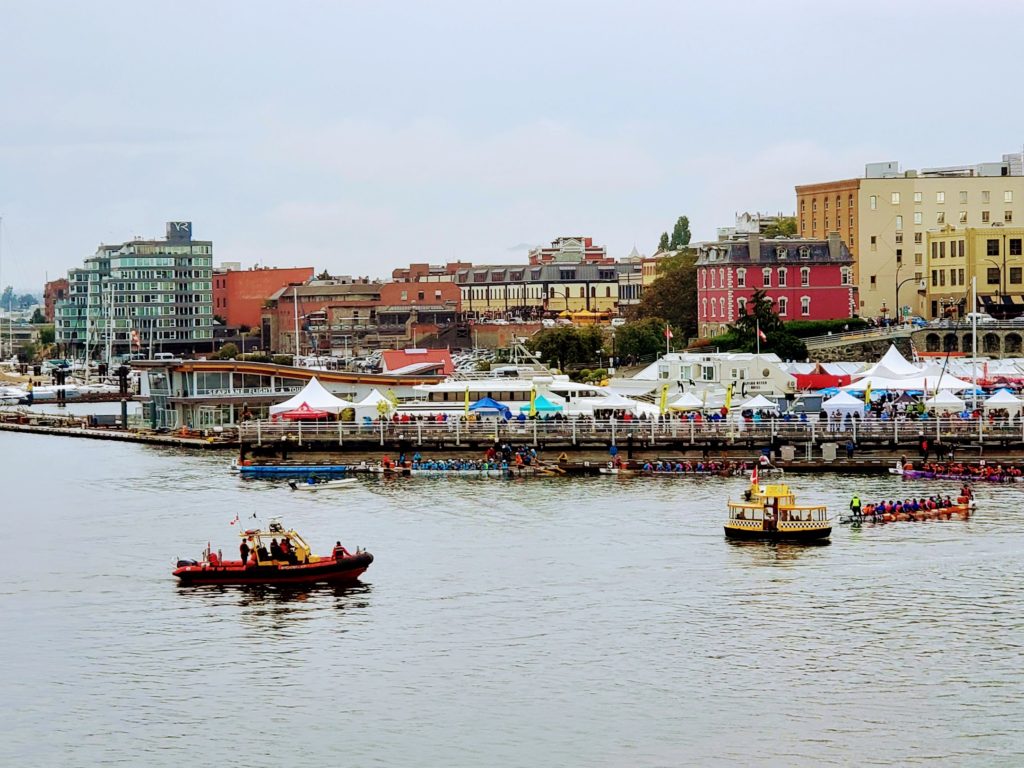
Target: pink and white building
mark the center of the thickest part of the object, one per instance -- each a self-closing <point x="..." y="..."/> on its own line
<point x="806" y="279"/>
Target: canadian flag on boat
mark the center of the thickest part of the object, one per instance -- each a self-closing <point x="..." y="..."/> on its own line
<point x="235" y="520"/>
<point x="668" y="332"/>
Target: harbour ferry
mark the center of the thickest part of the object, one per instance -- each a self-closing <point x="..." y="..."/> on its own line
<point x="274" y="556"/>
<point x="770" y="513"/>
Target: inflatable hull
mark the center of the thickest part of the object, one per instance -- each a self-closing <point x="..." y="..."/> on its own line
<point x="344" y="571"/>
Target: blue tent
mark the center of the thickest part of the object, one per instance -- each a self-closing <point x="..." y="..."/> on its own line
<point x="489" y="404"/>
<point x="542" y="404"/>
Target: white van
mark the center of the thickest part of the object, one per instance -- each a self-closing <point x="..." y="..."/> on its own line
<point x="981" y="318"/>
<point x="164" y="356"/>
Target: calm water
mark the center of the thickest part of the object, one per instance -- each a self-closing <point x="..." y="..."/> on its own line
<point x="596" y="622"/>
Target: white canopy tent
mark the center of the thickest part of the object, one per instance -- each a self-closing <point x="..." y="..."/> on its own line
<point x="945" y="402"/>
<point x="371" y="405"/>
<point x="316" y="397"/>
<point x="687" y="401"/>
<point x="758" y="403"/>
<point x="615" y="402"/>
<point x="1006" y="400"/>
<point x="919" y="382"/>
<point x="843" y="404"/>
<point x="893" y="365"/>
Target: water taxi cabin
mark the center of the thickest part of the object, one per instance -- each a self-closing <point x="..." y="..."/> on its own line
<point x="770" y="512"/>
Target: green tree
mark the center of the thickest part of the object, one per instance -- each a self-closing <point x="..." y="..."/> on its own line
<point x="759" y="313"/>
<point x="38" y="317"/>
<point x="228" y="352"/>
<point x="568" y="345"/>
<point x="641" y="337"/>
<point x="672" y="297"/>
<point x="7" y="298"/>
<point x="785" y="226"/>
<point x="663" y="242"/>
<point x="680" y="234"/>
<point x="325" y="275"/>
<point x="47" y="335"/>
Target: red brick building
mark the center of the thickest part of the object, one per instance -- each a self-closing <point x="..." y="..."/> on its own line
<point x="415" y="273"/>
<point x="239" y="295"/>
<point x="54" y="291"/>
<point x="806" y="279"/>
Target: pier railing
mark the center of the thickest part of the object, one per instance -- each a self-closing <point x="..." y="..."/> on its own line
<point x="613" y="431"/>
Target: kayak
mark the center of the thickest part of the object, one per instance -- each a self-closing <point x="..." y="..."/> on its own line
<point x="322" y="485"/>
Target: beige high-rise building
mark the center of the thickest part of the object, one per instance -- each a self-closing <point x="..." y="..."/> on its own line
<point x="994" y="255"/>
<point x="885" y="218"/>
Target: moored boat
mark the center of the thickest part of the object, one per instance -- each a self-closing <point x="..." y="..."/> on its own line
<point x="314" y="484"/>
<point x="268" y="561"/>
<point x="770" y="513"/>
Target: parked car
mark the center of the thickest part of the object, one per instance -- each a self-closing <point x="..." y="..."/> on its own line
<point x="980" y="317"/>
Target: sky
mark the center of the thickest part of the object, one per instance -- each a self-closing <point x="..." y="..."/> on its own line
<point x="361" y="136"/>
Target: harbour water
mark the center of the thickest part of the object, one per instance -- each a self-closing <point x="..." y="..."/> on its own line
<point x="584" y="622"/>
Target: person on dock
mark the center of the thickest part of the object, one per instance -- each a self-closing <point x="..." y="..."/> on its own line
<point x="850" y="446"/>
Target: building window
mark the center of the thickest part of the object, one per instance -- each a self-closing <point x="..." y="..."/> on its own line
<point x="704" y="308"/>
<point x="741" y="278"/>
<point x="917" y="197"/>
<point x="805" y="276"/>
<point x="437" y="295"/>
<point x="899" y="222"/>
<point x="873" y="202"/>
<point x="420" y="296"/>
<point x="874" y="243"/>
<point x="963" y="197"/>
<point x="942" y="250"/>
<point x="918" y="259"/>
<point x="961" y="250"/>
<point x="839" y="202"/>
<point x="805" y="305"/>
<point x="940" y="197"/>
<point x="899" y="255"/>
<point x="1015" y="275"/>
<point x="992" y="247"/>
<point x="917" y="217"/>
<point x="894" y="198"/>
<point x="713" y="305"/>
<point x="986" y="196"/>
<point x="917" y="238"/>
<point x="961" y="273"/>
<point x="741" y="306"/>
<point x="721" y="277"/>
<point x="849" y="201"/>
<point x="844" y="275"/>
<point x="940" y="217"/>
<point x="963" y="217"/>
<point x="405" y="295"/>
<point x="781" y="253"/>
<point x="766" y="277"/>
<point x="935" y="278"/>
<point x="1015" y="246"/>
<point x="782" y="277"/>
<point x="712" y="278"/>
<point x="984" y="217"/>
<point x="992" y="275"/>
<point x="783" y="301"/>
<point x="814" y="204"/>
<point x="899" y="237"/>
<point x="1008" y="216"/>
<point x="826" y="203"/>
<point x="805" y="252"/>
<point x="1008" y="196"/>
<point x="721" y="307"/>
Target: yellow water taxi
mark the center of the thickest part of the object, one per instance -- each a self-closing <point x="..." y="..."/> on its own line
<point x="770" y="513"/>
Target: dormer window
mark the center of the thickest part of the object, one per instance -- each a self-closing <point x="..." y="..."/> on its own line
<point x="805" y="252"/>
<point x="781" y="253"/>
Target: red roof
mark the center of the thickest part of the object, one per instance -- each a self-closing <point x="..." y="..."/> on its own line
<point x="418" y="361"/>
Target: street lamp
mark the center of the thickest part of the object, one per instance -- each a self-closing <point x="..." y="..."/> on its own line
<point x="900" y="284"/>
<point x="564" y="294"/>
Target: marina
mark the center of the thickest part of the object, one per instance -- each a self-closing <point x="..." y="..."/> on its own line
<point x="636" y="582"/>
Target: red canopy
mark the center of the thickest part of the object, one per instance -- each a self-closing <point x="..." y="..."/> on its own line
<point x="820" y="380"/>
<point x="304" y="412"/>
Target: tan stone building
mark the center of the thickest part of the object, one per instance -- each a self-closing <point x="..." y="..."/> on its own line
<point x="885" y="217"/>
<point x="994" y="255"/>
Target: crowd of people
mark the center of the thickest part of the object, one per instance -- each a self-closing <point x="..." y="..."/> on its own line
<point x="959" y="470"/>
<point x="698" y="467"/>
<point x="497" y="457"/>
<point x="924" y="508"/>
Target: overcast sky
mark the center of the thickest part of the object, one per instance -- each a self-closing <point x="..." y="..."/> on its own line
<point x="360" y="136"/>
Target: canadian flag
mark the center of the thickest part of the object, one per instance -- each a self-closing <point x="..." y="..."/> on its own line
<point x="761" y="336"/>
<point x="668" y="332"/>
<point x="753" y="475"/>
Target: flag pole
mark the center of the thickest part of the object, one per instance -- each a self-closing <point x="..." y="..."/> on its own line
<point x="758" y="323"/>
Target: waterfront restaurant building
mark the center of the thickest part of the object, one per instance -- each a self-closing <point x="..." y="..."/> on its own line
<point x="141" y="295"/>
<point x="807" y="279"/>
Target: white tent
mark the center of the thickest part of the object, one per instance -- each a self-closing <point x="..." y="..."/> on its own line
<point x="687" y="401"/>
<point x="842" y="404"/>
<point x="316" y="397"/>
<point x="918" y="381"/>
<point x="758" y="403"/>
<point x="893" y="365"/>
<point x="371" y="405"/>
<point x="945" y="401"/>
<point x="615" y="402"/>
<point x="1006" y="400"/>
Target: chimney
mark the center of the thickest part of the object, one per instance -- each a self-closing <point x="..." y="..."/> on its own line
<point x="835" y="246"/>
<point x="754" y="244"/>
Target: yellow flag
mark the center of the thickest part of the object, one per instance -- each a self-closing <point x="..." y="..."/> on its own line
<point x="867" y="394"/>
<point x="533" y="402"/>
<point x="664" y="399"/>
<point x="467" y="399"/>
<point x="728" y="398"/>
